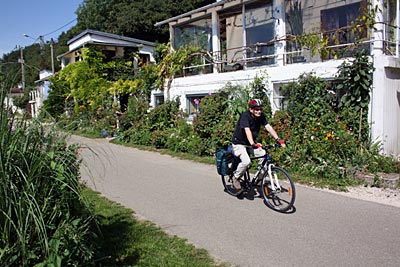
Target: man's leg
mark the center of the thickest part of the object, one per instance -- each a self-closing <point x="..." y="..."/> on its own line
<point x="240" y="151"/>
<point x="258" y="153"/>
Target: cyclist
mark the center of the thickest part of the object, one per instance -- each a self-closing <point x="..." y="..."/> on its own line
<point x="245" y="135"/>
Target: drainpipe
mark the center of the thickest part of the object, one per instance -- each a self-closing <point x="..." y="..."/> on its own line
<point x="397" y="27"/>
<point x="244" y="36"/>
<point x="377" y="44"/>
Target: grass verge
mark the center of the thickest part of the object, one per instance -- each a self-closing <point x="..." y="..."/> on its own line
<point x="127" y="241"/>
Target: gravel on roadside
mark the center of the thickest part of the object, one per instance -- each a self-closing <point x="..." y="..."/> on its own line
<point x="385" y="196"/>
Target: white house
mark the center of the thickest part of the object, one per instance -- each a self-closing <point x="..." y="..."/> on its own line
<point x="112" y="46"/>
<point x="246" y="37"/>
<point x="40" y="93"/>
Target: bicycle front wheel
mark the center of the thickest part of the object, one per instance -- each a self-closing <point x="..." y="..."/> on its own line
<point x="278" y="190"/>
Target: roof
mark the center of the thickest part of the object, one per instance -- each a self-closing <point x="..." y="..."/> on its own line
<point x="218" y="3"/>
<point x="134" y="42"/>
<point x="95" y="43"/>
<point x="110" y="35"/>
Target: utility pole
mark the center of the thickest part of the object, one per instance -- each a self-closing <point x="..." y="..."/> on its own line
<point x="21" y="60"/>
<point x="52" y="55"/>
<point x="42" y="53"/>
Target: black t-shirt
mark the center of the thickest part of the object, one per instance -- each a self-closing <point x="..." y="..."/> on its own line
<point x="248" y="120"/>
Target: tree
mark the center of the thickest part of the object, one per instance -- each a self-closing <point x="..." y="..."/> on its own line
<point x="133" y="18"/>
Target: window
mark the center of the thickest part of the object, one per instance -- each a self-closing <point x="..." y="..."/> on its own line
<point x="259" y="29"/>
<point x="144" y="58"/>
<point x="279" y="102"/>
<point x="336" y="23"/>
<point x="193" y="102"/>
<point x="196" y="34"/>
<point x="158" y="100"/>
<point x="109" y="55"/>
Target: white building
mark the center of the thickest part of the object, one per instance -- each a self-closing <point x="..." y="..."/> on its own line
<point x="40" y="93"/>
<point x="112" y="46"/>
<point x="247" y="37"/>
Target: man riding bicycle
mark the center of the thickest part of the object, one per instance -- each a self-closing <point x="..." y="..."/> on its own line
<point x="245" y="135"/>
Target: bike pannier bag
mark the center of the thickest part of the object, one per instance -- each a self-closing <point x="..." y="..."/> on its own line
<point x="225" y="162"/>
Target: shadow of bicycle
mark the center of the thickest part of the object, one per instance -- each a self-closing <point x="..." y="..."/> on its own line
<point x="256" y="192"/>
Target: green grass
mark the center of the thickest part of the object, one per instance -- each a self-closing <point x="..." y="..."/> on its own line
<point x="127" y="241"/>
<point x="180" y="155"/>
<point x="338" y="184"/>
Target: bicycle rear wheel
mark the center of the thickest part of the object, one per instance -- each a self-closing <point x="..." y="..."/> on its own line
<point x="279" y="192"/>
<point x="227" y="181"/>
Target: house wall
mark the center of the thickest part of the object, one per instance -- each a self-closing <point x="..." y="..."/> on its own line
<point x="385" y="105"/>
<point x="210" y="83"/>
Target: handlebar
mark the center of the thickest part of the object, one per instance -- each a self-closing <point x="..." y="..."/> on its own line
<point x="267" y="147"/>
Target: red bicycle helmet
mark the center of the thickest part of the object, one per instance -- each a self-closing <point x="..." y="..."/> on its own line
<point x="255" y="103"/>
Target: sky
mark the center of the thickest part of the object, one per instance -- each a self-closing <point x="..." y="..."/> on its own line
<point x="48" y="18"/>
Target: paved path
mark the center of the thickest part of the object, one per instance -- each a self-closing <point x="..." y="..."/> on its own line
<point x="187" y="199"/>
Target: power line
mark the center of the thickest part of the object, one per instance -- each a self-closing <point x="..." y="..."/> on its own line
<point x="60" y="28"/>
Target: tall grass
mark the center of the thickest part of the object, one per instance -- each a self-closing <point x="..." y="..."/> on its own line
<point x="43" y="219"/>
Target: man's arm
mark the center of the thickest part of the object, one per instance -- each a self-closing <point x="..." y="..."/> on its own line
<point x="273" y="133"/>
<point x="249" y="135"/>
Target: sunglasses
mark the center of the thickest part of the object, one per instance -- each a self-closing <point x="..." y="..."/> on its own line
<point x="257" y="109"/>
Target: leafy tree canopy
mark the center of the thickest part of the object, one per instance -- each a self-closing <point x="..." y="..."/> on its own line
<point x="133" y="18"/>
<point x="124" y="17"/>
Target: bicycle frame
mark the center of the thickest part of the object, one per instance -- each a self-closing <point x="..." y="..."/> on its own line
<point x="266" y="162"/>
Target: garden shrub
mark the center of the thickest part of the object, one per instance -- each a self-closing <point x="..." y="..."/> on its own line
<point x="164" y="116"/>
<point x="181" y="138"/>
<point x="43" y="219"/>
<point x="319" y="140"/>
<point x="322" y="123"/>
<point x="213" y="124"/>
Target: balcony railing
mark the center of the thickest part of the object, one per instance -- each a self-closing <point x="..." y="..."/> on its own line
<point x="264" y="54"/>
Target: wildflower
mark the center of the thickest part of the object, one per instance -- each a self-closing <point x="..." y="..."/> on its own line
<point x="172" y="135"/>
<point x="196" y="101"/>
<point x="329" y="136"/>
<point x="209" y="93"/>
<point x="312" y="137"/>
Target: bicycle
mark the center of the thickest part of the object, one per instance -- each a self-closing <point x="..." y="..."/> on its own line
<point x="277" y="186"/>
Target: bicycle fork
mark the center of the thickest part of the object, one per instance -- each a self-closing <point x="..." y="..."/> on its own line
<point x="275" y="186"/>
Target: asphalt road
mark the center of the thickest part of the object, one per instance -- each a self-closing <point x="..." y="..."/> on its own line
<point x="187" y="199"/>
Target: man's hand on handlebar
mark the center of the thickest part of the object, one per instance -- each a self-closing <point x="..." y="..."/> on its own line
<point x="256" y="145"/>
<point x="280" y="142"/>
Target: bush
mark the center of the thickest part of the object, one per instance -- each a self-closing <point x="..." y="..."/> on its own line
<point x="43" y="220"/>
<point x="214" y="124"/>
<point x="322" y="128"/>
